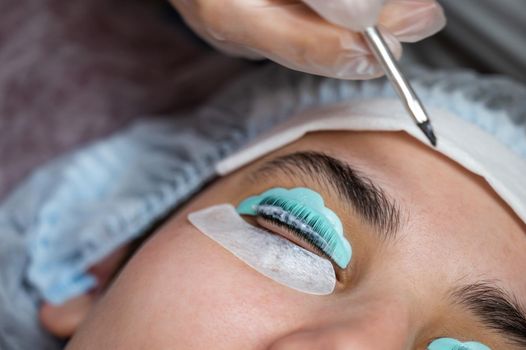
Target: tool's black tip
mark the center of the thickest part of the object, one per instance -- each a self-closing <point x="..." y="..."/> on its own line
<point x="428" y="131"/>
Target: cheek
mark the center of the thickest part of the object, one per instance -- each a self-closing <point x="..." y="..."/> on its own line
<point x="182" y="288"/>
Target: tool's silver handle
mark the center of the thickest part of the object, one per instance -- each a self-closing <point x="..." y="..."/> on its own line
<point x="400" y="84"/>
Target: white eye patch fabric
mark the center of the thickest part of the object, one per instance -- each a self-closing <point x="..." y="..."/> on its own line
<point x="463" y="142"/>
<point x="268" y="253"/>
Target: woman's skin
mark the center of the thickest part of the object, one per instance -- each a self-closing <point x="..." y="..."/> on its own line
<point x="182" y="290"/>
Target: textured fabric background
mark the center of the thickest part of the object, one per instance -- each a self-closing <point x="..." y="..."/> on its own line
<point x="73" y="71"/>
<point x="485" y="35"/>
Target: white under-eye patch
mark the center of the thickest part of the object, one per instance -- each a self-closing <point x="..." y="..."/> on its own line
<point x="268" y="253"/>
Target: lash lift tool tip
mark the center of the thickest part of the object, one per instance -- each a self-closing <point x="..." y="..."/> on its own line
<point x="401" y="85"/>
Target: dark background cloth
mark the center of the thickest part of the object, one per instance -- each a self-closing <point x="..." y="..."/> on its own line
<point x="74" y="71"/>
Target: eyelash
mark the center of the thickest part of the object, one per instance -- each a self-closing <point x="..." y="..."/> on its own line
<point x="305" y="237"/>
<point x="300" y="222"/>
<point x="305" y="216"/>
<point x="298" y="233"/>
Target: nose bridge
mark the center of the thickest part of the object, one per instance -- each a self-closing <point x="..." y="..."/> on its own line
<point x="376" y="325"/>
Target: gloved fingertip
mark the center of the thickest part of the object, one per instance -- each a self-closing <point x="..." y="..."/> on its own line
<point x="361" y="64"/>
<point x="411" y="20"/>
<point x="392" y="42"/>
<point x="360" y="68"/>
<point x="354" y="15"/>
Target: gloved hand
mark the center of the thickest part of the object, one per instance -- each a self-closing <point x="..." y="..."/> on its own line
<point x="315" y="36"/>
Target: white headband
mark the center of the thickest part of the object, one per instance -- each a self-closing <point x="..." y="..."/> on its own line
<point x="471" y="147"/>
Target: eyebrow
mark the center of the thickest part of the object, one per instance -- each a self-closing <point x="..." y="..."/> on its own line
<point x="497" y="309"/>
<point x="368" y="199"/>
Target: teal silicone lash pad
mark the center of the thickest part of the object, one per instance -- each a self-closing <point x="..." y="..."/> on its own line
<point x="303" y="211"/>
<point x="454" y="344"/>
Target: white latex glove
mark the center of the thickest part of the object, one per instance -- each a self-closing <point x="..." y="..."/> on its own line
<point x="324" y="41"/>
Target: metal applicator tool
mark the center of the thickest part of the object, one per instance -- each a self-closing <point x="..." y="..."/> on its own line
<point x="401" y="85"/>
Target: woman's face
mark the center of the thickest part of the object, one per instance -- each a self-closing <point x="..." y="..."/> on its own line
<point x="445" y="258"/>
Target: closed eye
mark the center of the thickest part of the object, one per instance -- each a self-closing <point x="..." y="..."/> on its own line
<point x="292" y="233"/>
<point x="300" y="215"/>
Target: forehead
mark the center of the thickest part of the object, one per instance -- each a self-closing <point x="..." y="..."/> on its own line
<point x="453" y="218"/>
